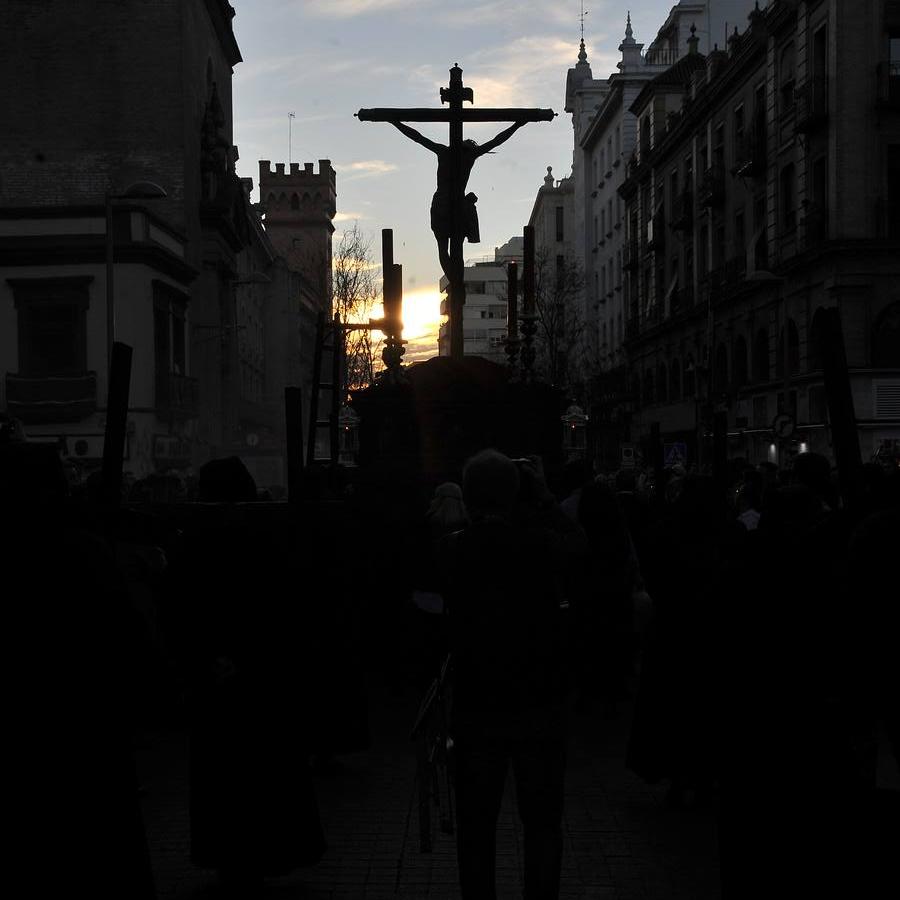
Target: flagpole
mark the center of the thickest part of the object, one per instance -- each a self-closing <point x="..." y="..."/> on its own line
<point x="290" y="138"/>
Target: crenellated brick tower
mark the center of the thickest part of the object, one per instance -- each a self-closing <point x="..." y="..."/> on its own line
<point x="299" y="206"/>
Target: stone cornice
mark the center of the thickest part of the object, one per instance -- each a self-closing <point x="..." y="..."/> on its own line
<point x="221" y="13"/>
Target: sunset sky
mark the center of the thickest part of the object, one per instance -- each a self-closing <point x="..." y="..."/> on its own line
<point x="325" y="59"/>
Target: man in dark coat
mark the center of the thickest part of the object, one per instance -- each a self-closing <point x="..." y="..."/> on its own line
<point x="506" y="622"/>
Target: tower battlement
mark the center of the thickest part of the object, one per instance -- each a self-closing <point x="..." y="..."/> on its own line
<point x="299" y="192"/>
<point x="306" y="177"/>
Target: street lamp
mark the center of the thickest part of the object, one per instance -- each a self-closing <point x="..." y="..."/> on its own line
<point x="139" y="190"/>
<point x="574" y="432"/>
<point x="348" y="426"/>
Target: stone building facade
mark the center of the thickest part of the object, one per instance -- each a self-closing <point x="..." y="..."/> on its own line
<point x="563" y="350"/>
<point x="605" y="136"/>
<point x="199" y="287"/>
<point x="484" y="313"/>
<point x="764" y="189"/>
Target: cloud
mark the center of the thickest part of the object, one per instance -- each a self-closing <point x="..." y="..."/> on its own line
<point x="367" y="168"/>
<point x="520" y="72"/>
<point x="348" y="217"/>
<point x="347" y="9"/>
<point x="513" y="13"/>
<point x="265" y="66"/>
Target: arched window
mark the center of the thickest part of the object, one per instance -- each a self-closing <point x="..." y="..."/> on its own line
<point x="662" y="383"/>
<point x="761" y="355"/>
<point x="295" y="201"/>
<point x="649" y="396"/>
<point x="739" y="363"/>
<point x="721" y="371"/>
<point x="793" y="351"/>
<point x="270" y="200"/>
<point x="690" y="376"/>
<point x="815" y="358"/>
<point x="675" y="380"/>
<point x="886" y="338"/>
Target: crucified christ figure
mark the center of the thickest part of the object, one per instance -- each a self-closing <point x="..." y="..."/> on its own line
<point x="442" y="218"/>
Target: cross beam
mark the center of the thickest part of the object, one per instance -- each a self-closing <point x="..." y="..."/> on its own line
<point x="388" y="114"/>
<point x="453" y="174"/>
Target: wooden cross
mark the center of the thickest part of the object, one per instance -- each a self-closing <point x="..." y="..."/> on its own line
<point x="454" y="165"/>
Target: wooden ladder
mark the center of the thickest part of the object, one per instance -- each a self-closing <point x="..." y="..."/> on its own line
<point x="329" y="337"/>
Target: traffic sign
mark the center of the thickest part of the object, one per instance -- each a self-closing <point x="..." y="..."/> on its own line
<point x="675" y="454"/>
<point x="783" y="426"/>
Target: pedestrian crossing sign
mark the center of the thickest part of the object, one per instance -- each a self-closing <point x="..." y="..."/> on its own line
<point x="675" y="454"/>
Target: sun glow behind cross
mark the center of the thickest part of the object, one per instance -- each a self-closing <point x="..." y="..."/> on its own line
<point x="421" y="322"/>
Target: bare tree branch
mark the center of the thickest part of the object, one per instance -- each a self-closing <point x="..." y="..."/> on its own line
<point x="558" y="286"/>
<point x="355" y="291"/>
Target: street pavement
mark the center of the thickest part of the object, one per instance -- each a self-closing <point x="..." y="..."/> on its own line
<point x="622" y="842"/>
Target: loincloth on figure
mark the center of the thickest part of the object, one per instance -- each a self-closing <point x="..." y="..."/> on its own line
<point x="441" y="217"/>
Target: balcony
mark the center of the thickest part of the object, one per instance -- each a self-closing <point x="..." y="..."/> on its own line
<point x="811" y="99"/>
<point x="712" y="187"/>
<point x="661" y="56"/>
<point x="632" y="166"/>
<point x="176" y="396"/>
<point x="53" y="398"/>
<point x="750" y="153"/>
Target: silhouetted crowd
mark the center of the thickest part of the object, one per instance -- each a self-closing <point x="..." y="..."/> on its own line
<point x="753" y="624"/>
<point x="753" y="621"/>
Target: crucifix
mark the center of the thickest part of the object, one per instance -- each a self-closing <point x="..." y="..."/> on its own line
<point x="453" y="214"/>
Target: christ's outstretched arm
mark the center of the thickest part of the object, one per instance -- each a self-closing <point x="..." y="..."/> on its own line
<point x="497" y="140"/>
<point x="414" y="135"/>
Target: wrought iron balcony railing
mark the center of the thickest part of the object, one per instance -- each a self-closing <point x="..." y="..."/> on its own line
<point x="812" y="105"/>
<point x="51" y="398"/>
<point x="750" y="152"/>
<point x="712" y="186"/>
<point x="661" y="56"/>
